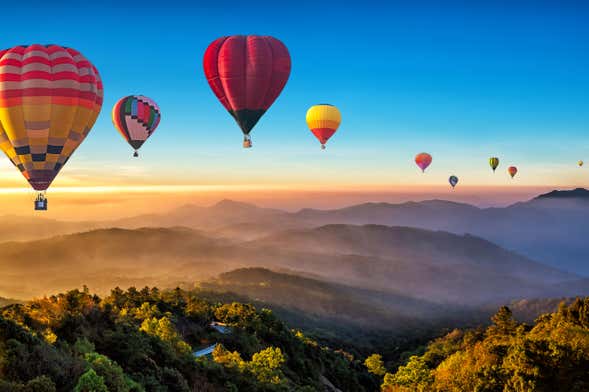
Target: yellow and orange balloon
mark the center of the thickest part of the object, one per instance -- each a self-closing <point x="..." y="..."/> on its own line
<point x="50" y="97"/>
<point x="323" y="120"/>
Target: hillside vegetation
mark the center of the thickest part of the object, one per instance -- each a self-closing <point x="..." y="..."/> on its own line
<point x="550" y="355"/>
<point x="143" y="340"/>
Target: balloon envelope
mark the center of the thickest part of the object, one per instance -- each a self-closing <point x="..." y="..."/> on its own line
<point x="453" y="180"/>
<point x="323" y="120"/>
<point x="580" y="163"/>
<point x="494" y="163"/>
<point x="50" y="97"/>
<point x="512" y="170"/>
<point x="136" y="117"/>
<point x="247" y="73"/>
<point x="423" y="160"/>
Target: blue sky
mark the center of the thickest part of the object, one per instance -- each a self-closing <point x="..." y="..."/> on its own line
<point x="458" y="80"/>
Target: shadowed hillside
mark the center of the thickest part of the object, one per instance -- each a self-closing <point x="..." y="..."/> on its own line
<point x="8" y="301"/>
<point x="107" y="257"/>
<point x="430" y="265"/>
<point x="329" y="301"/>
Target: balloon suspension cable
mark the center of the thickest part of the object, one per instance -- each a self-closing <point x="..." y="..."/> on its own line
<point x="135" y="154"/>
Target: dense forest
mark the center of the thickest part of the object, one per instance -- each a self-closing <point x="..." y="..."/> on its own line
<point x="551" y="355"/>
<point x="145" y="340"/>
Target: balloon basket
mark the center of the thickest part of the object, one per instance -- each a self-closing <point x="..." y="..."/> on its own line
<point x="135" y="154"/>
<point x="41" y="203"/>
<point x="247" y="142"/>
<point x="323" y="146"/>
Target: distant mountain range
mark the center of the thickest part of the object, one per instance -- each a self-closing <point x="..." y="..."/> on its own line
<point x="427" y="265"/>
<point x="578" y="193"/>
<point x="550" y="228"/>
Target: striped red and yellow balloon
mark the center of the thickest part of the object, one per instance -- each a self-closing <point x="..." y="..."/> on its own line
<point x="50" y="97"/>
<point x="323" y="120"/>
<point x="136" y="117"/>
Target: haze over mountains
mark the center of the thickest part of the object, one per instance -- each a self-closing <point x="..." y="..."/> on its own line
<point x="549" y="228"/>
<point x="435" y="266"/>
<point x="374" y="263"/>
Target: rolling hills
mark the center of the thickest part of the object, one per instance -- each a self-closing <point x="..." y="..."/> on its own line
<point x="427" y="265"/>
<point x="549" y="228"/>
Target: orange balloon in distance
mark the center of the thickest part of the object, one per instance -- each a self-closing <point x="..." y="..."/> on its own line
<point x="423" y="160"/>
<point x="512" y="170"/>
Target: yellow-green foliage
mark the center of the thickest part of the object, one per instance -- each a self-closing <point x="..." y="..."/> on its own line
<point x="375" y="365"/>
<point x="264" y="365"/>
<point x="49" y="336"/>
<point x="552" y="355"/>
<point x="164" y="329"/>
<point x="229" y="359"/>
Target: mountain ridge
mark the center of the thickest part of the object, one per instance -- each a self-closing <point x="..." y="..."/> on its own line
<point x="421" y="263"/>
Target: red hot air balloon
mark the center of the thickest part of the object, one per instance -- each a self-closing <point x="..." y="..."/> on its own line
<point x="423" y="160"/>
<point x="512" y="170"/>
<point x="247" y="73"/>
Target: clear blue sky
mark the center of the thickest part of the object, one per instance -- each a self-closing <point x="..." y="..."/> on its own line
<point x="458" y="80"/>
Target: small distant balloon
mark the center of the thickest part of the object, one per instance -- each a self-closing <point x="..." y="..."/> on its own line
<point x="494" y="163"/>
<point x="512" y="170"/>
<point x="423" y="160"/>
<point x="453" y="180"/>
<point x="323" y="120"/>
<point x="580" y="163"/>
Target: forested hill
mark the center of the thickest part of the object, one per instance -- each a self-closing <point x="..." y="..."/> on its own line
<point x="7" y="301"/>
<point x="550" y="355"/>
<point x="145" y="340"/>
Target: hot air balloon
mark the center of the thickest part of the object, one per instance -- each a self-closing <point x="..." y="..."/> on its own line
<point x="247" y="73"/>
<point x="50" y="97"/>
<point x="512" y="170"/>
<point x="323" y="120"/>
<point x="453" y="180"/>
<point x="580" y="163"/>
<point x="136" y="117"/>
<point x="423" y="160"/>
<point x="494" y="162"/>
